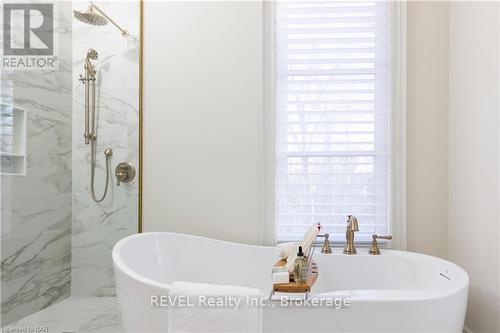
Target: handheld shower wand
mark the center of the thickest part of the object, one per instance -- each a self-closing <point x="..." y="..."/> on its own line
<point x="90" y="135"/>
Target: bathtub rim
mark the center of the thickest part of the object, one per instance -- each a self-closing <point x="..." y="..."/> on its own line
<point x="427" y="294"/>
<point x="119" y="263"/>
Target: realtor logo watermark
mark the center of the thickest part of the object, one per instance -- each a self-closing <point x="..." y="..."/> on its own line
<point x="28" y="36"/>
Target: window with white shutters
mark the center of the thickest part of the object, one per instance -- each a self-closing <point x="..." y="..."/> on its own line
<point x="332" y="121"/>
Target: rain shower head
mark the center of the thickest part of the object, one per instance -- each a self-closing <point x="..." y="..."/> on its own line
<point x="90" y="17"/>
<point x="95" y="16"/>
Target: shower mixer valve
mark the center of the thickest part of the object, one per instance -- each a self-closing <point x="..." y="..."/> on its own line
<point x="124" y="172"/>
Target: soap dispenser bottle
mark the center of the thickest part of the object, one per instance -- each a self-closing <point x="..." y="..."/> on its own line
<point x="300" y="267"/>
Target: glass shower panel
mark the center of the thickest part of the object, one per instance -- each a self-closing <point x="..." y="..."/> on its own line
<point x="56" y="241"/>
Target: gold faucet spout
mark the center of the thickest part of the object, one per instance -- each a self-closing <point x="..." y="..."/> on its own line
<point x="352" y="227"/>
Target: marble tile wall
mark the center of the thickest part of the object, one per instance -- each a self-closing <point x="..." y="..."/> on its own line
<point x="36" y="208"/>
<point x="54" y="238"/>
<point x="96" y="227"/>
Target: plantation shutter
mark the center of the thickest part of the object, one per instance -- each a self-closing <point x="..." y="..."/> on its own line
<point x="332" y="117"/>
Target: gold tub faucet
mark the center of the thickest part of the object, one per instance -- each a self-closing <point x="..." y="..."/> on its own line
<point x="352" y="227"/>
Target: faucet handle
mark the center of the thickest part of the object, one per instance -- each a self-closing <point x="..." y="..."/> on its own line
<point x="326" y="249"/>
<point x="374" y="250"/>
<point x="124" y="172"/>
<point x="375" y="237"/>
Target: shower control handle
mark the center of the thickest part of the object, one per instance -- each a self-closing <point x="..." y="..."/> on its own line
<point x="124" y="172"/>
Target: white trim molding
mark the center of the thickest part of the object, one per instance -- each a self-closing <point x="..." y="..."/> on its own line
<point x="269" y="118"/>
<point x="398" y="125"/>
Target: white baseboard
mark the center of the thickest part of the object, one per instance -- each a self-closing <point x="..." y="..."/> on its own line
<point x="467" y="330"/>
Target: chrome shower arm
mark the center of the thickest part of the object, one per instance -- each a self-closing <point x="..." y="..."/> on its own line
<point x="92" y="7"/>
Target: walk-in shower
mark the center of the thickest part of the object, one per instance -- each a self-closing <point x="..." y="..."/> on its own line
<point x="124" y="172"/>
<point x="56" y="241"/>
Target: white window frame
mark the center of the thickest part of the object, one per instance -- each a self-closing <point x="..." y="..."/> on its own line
<point x="397" y="195"/>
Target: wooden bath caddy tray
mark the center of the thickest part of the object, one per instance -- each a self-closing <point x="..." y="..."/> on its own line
<point x="291" y="286"/>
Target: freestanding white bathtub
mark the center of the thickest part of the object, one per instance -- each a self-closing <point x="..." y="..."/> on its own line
<point x="393" y="292"/>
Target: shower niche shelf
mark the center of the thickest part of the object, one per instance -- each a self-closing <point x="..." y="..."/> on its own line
<point x="13" y="135"/>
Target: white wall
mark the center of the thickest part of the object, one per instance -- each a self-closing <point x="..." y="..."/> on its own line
<point x="213" y="49"/>
<point x="474" y="157"/>
<point x="427" y="127"/>
<point x="203" y="119"/>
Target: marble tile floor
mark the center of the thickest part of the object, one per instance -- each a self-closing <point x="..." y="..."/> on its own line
<point x="76" y="314"/>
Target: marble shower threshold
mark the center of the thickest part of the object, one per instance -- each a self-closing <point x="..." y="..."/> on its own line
<point x="76" y="314"/>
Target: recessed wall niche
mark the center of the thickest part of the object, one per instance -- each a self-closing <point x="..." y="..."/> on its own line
<point x="12" y="140"/>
